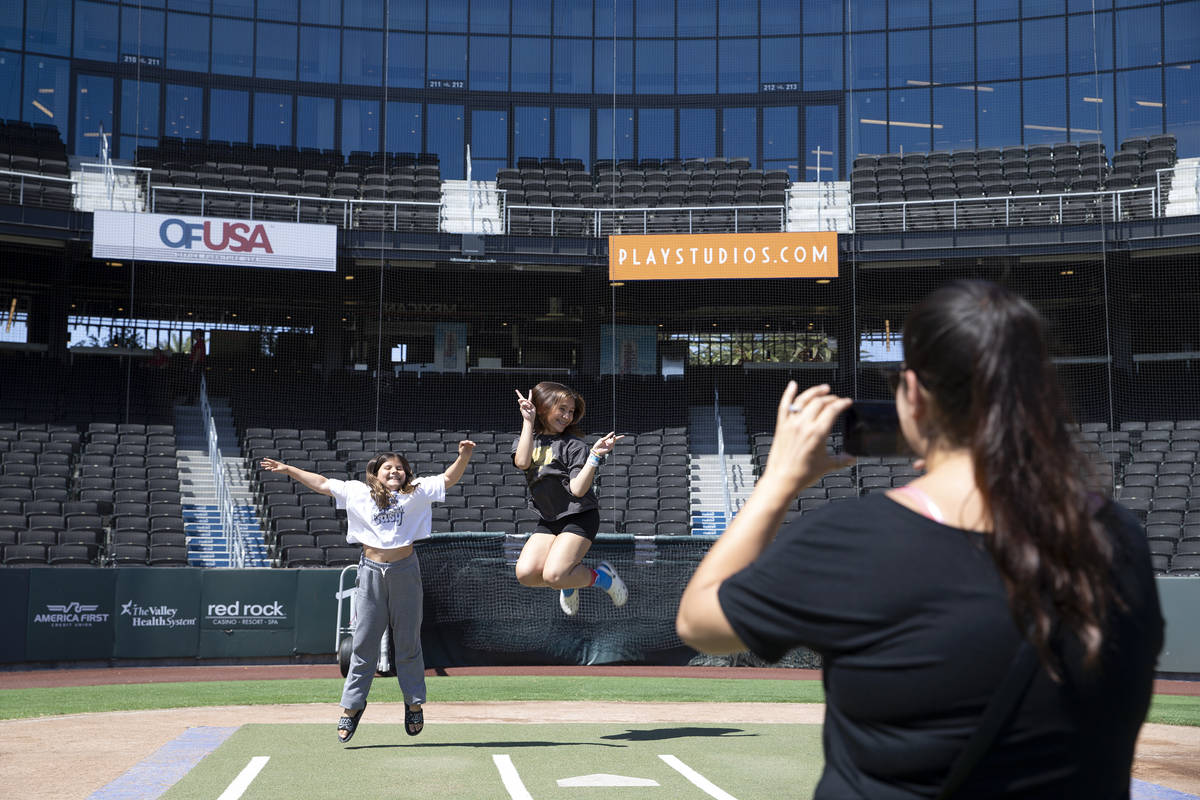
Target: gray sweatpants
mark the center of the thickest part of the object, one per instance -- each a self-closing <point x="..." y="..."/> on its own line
<point x="383" y="593"/>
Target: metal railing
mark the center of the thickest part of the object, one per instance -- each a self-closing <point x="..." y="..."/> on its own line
<point x="1068" y="208"/>
<point x="230" y="524"/>
<point x="48" y="191"/>
<point x="598" y="222"/>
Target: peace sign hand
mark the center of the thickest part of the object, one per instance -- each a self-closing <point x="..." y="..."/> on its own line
<point x="605" y="444"/>
<point x="528" y="410"/>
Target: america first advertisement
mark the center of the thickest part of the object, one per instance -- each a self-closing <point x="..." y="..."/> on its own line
<point x="214" y="241"/>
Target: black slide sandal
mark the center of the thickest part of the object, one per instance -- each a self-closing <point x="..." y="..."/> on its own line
<point x="349" y="724"/>
<point x="414" y="718"/>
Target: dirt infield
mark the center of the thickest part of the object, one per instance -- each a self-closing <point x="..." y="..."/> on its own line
<point x="97" y="754"/>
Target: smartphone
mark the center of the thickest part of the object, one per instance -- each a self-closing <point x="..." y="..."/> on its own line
<point x="873" y="429"/>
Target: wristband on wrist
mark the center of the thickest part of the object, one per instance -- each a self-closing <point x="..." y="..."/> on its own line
<point x="595" y="460"/>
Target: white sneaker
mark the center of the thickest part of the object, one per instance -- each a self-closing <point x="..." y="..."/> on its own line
<point x="569" y="603"/>
<point x="617" y="590"/>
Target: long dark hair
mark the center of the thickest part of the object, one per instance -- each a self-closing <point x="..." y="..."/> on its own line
<point x="980" y="351"/>
<point x="380" y="493"/>
<point x="546" y="396"/>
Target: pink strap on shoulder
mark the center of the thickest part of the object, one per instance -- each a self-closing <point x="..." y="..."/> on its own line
<point x="931" y="508"/>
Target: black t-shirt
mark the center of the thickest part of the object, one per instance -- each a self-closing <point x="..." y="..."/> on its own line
<point x="913" y="622"/>
<point x="554" y="462"/>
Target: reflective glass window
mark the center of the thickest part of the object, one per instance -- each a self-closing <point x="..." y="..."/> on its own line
<point x="953" y="55"/>
<point x="953" y="117"/>
<point x="448" y="15"/>
<point x="867" y="112"/>
<point x="272" y="118"/>
<point x="1087" y="5"/>
<point x="572" y="65"/>
<point x="1183" y="108"/>
<point x="46" y="92"/>
<point x="739" y="133"/>
<point x="404" y="127"/>
<point x="362" y="57"/>
<point x="696" y="18"/>
<point x="820" y="16"/>
<point x="820" y="143"/>
<point x="187" y="42"/>
<point x="489" y="143"/>
<point x="184" y="112"/>
<point x="491" y="16"/>
<point x="1041" y="8"/>
<point x="320" y="54"/>
<point x="868" y="60"/>
<point x="998" y="10"/>
<point x="656" y="133"/>
<point x="233" y="8"/>
<point x="1181" y="24"/>
<point x="697" y="66"/>
<point x="406" y="60"/>
<point x="655" y="67"/>
<point x="781" y="60"/>
<point x="317" y="116"/>
<point x="606" y="54"/>
<point x="142" y="32"/>
<point x="447" y="58"/>
<point x="531" y="17"/>
<point x="279" y="10"/>
<point x="998" y="59"/>
<point x="780" y="135"/>
<point x="737" y="18"/>
<point x="572" y="18"/>
<point x="329" y="12"/>
<point x="867" y="15"/>
<point x="531" y="132"/>
<point x="489" y="63"/>
<point x="573" y="133"/>
<point x="1089" y="42"/>
<point x="96" y="31"/>
<point x="1139" y="37"/>
<point x="998" y="112"/>
<point x="12" y="15"/>
<point x="406" y="15"/>
<point x="198" y="6"/>
<point x="738" y="60"/>
<point x="1139" y="103"/>
<point x="360" y="126"/>
<point x="911" y="127"/>
<point x="1090" y="106"/>
<point x="1045" y="118"/>
<point x="48" y="27"/>
<point x="1042" y="51"/>
<point x="655" y="19"/>
<point x="363" y="15"/>
<point x="951" y="12"/>
<point x="228" y="114"/>
<point x="232" y="46"/>
<point x="908" y="13"/>
<point x="93" y="112"/>
<point x="614" y="130"/>
<point x="530" y="65"/>
<point x="698" y="133"/>
<point x="908" y="54"/>
<point x="822" y="63"/>
<point x="445" y="123"/>
<point x="139" y="108"/>
<point x="275" y="56"/>
<point x="614" y="17"/>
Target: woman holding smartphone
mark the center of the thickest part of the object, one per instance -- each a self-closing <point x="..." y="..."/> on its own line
<point x="920" y="599"/>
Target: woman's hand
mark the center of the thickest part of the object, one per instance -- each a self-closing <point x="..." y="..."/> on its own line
<point x="605" y="444"/>
<point x="528" y="409"/>
<point x="798" y="457"/>
<point x="272" y="465"/>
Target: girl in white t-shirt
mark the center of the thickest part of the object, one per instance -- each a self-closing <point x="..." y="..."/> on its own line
<point x="385" y="514"/>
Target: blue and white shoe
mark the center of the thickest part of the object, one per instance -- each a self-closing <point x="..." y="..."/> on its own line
<point x="568" y="601"/>
<point x="616" y="589"/>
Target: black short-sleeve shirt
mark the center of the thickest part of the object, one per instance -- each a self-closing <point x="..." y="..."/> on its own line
<point x="554" y="462"/>
<point x="913" y="622"/>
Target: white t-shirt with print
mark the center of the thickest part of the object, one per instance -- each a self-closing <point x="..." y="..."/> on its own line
<point x="408" y="519"/>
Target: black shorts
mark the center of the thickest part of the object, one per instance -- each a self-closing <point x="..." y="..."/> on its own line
<point x="585" y="524"/>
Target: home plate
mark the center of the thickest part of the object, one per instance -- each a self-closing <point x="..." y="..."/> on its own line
<point x="603" y="779"/>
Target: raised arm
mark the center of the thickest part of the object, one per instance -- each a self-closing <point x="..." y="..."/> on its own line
<point x="311" y="480"/>
<point x="455" y="471"/>
<point x="523" y="457"/>
<point x="582" y="481"/>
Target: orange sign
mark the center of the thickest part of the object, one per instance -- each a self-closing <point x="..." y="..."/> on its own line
<point x="723" y="255"/>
